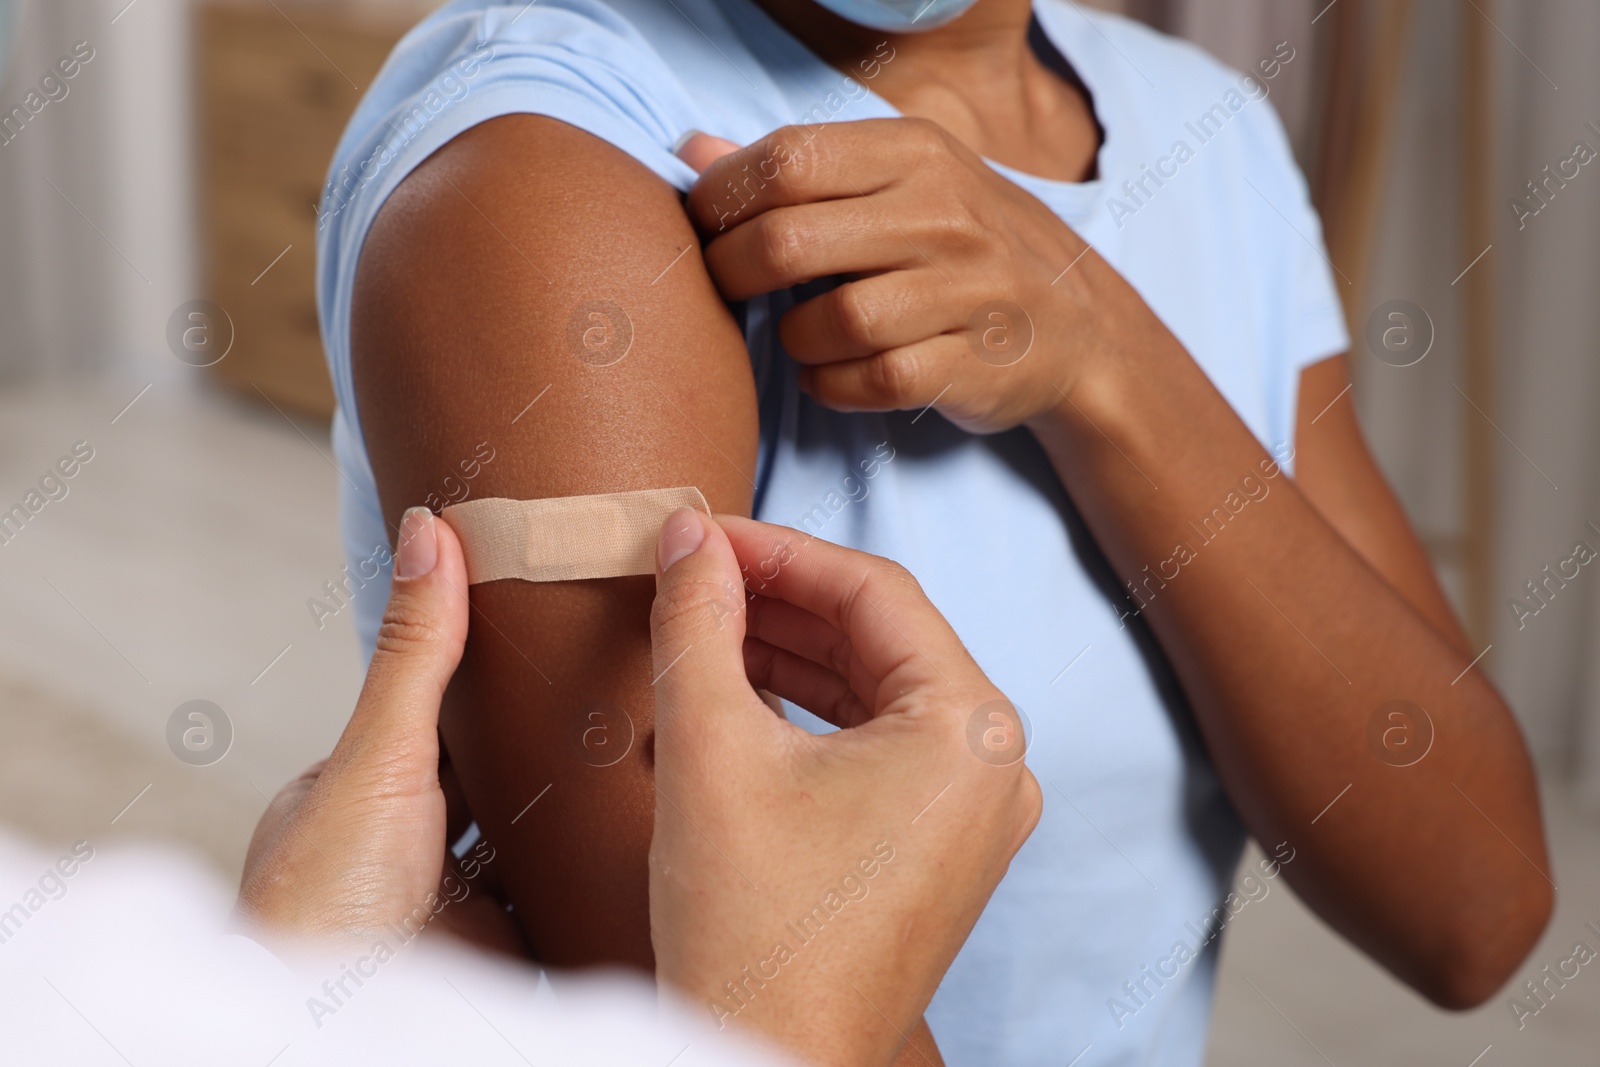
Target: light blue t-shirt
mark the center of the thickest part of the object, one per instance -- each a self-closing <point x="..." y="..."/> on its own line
<point x="1198" y="204"/>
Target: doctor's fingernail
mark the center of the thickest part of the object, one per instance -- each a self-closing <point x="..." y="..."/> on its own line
<point x="418" y="550"/>
<point x="681" y="535"/>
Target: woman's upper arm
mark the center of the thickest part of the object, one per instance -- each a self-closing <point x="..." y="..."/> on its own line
<point x="530" y="263"/>
<point x="1338" y="474"/>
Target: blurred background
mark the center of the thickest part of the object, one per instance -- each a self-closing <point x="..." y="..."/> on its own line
<point x="160" y="166"/>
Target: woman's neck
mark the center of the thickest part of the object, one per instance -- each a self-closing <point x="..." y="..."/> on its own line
<point x="976" y="76"/>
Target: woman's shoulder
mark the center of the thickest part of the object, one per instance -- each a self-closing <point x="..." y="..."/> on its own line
<point x="624" y="38"/>
<point x="661" y="36"/>
<point x="614" y="69"/>
<point x="606" y="66"/>
<point x="645" y="65"/>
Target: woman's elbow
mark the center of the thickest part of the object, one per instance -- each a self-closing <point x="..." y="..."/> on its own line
<point x="1487" y="943"/>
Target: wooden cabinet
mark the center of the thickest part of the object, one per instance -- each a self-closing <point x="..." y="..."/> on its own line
<point x="275" y="84"/>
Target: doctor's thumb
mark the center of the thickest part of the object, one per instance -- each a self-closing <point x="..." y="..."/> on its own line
<point x="423" y="631"/>
<point x="697" y="624"/>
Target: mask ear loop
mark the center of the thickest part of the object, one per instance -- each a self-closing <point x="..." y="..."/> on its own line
<point x="563" y="539"/>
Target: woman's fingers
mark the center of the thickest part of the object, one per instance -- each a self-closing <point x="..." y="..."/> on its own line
<point x="805" y="165"/>
<point x="785" y="247"/>
<point x="790" y="246"/>
<point x="394" y="728"/>
<point x="872" y="315"/>
<point x="900" y="379"/>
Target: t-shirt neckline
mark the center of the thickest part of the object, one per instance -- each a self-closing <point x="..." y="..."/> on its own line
<point x="810" y="75"/>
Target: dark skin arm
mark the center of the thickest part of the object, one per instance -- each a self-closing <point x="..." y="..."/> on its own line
<point x="463" y="315"/>
<point x="1338" y="475"/>
<point x="1291" y="631"/>
<point x="468" y="282"/>
<point x="1301" y="616"/>
<point x="1438" y="869"/>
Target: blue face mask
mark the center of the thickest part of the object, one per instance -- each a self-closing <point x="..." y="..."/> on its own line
<point x="899" y="16"/>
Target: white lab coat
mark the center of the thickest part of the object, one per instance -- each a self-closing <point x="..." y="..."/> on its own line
<point x="127" y="959"/>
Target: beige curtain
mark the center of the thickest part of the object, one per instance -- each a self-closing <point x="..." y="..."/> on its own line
<point x="1492" y="441"/>
<point x="1531" y="408"/>
<point x="1546" y="268"/>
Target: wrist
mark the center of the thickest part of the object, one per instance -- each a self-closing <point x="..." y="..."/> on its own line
<point x="1122" y="403"/>
<point x="1107" y="340"/>
<point x="1094" y="397"/>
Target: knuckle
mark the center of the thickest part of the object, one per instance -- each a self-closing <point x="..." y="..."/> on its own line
<point x="792" y="157"/>
<point x="802" y="155"/>
<point x="924" y="131"/>
<point x="930" y="142"/>
<point x="785" y="138"/>
<point x="961" y="227"/>
<point x="780" y="140"/>
<point x="855" y="318"/>
<point x="840" y="654"/>
<point x="894" y="377"/>
<point x="846" y="708"/>
<point x="781" y="243"/>
<point x="898" y="574"/>
<point x="1032" y="800"/>
<point x="387" y="769"/>
<point x="894" y="580"/>
<point x="405" y="630"/>
<point x="1028" y="808"/>
<point x="686" y="604"/>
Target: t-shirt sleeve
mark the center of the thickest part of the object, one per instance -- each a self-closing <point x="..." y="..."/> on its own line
<point x="1303" y="282"/>
<point x="572" y="60"/>
<point x="1318" y="313"/>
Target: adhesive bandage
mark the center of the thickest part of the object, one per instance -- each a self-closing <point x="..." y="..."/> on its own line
<point x="561" y="539"/>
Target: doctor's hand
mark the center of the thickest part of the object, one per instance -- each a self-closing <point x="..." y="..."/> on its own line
<point x="961" y="291"/>
<point x="356" y="844"/>
<point x="816" y="888"/>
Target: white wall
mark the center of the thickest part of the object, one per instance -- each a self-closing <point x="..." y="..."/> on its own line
<point x="86" y="287"/>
